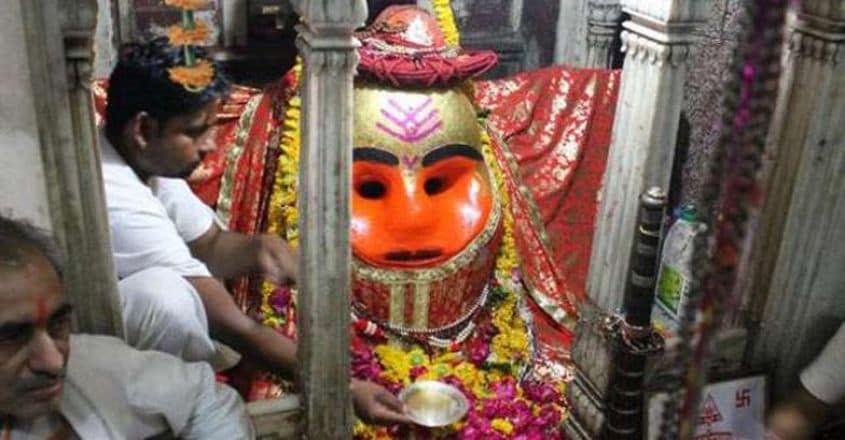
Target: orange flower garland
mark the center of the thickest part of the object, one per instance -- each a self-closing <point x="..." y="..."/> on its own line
<point x="188" y="5"/>
<point x="180" y="36"/>
<point x="195" y="75"/>
<point x="194" y="78"/>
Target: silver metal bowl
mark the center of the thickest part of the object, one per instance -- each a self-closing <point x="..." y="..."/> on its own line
<point x="434" y="404"/>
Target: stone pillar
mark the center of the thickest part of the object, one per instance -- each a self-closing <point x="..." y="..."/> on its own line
<point x="797" y="282"/>
<point x="571" y="45"/>
<point x="125" y="21"/>
<point x="657" y="41"/>
<point x="602" y="26"/>
<point x="329" y="51"/>
<point x="60" y="39"/>
<point x="106" y="40"/>
<point x="25" y="197"/>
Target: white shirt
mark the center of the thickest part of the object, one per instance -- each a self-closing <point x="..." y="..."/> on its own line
<point x="151" y="223"/>
<point x="825" y="377"/>
<point x="113" y="391"/>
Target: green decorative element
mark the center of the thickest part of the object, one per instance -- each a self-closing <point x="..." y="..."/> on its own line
<point x="188" y="24"/>
<point x="670" y="287"/>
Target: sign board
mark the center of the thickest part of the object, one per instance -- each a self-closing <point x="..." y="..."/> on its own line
<point x="730" y="410"/>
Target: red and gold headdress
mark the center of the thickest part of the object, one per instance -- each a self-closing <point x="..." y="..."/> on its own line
<point x="405" y="47"/>
<point x="196" y="74"/>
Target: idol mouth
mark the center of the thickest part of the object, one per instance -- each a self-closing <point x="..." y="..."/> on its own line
<point x="415" y="256"/>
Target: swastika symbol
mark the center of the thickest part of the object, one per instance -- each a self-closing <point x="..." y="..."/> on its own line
<point x="743" y="398"/>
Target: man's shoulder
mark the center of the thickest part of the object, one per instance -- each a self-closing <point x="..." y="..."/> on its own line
<point x="98" y="350"/>
<point x="92" y="349"/>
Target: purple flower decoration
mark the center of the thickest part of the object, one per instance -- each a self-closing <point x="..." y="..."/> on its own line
<point x="477" y="352"/>
<point x="506" y="389"/>
<point x="280" y="300"/>
<point x="541" y="392"/>
<point x="521" y="415"/>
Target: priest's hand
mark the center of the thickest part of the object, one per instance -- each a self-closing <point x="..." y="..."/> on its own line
<point x="277" y="260"/>
<point x="375" y="405"/>
<point x="231" y="254"/>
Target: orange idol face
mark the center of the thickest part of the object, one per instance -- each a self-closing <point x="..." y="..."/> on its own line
<point x="421" y="188"/>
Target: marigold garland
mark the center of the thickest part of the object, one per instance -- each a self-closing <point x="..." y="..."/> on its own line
<point x="193" y="78"/>
<point x="194" y="75"/>
<point x="188" y="5"/>
<point x="180" y="36"/>
<point x="446" y="19"/>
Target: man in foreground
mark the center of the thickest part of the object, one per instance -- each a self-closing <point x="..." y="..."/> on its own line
<point x="169" y="252"/>
<point x="54" y="385"/>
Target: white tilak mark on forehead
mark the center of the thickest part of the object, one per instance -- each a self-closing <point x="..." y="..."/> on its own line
<point x="417" y="33"/>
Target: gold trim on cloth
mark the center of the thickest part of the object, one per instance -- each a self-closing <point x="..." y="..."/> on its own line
<point x="421" y="305"/>
<point x="224" y="200"/>
<point x="547" y="304"/>
<point x="397" y="304"/>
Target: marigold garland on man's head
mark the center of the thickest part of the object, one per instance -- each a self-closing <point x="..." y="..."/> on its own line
<point x="195" y="75"/>
<point x="188" y="5"/>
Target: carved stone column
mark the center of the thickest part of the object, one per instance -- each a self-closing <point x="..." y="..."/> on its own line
<point x="329" y="51"/>
<point x="60" y="48"/>
<point x="602" y="25"/>
<point x="797" y="284"/>
<point x="657" y="42"/>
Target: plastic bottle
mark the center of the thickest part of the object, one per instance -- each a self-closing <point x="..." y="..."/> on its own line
<point x="673" y="279"/>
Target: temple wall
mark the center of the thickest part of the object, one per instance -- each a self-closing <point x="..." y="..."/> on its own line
<point x="24" y="193"/>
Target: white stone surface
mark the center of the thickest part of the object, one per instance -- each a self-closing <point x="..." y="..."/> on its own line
<point x="23" y="194"/>
<point x="329" y="53"/>
<point x="644" y="137"/>
<point x="105" y="50"/>
<point x="799" y="248"/>
<point x="571" y="47"/>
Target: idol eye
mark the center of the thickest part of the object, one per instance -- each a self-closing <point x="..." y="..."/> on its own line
<point x="434" y="185"/>
<point x="371" y="189"/>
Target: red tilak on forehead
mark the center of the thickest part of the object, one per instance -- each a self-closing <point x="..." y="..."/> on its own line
<point x="40" y="310"/>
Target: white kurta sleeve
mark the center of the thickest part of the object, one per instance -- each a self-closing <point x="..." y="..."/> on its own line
<point x="187" y="396"/>
<point x="138" y="394"/>
<point x="825" y="377"/>
<point x="189" y="214"/>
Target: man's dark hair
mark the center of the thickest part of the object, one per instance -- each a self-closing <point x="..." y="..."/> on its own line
<point x="20" y="241"/>
<point x="141" y="83"/>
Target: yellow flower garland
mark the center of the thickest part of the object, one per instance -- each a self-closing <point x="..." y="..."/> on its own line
<point x="283" y="217"/>
<point x="446" y="19"/>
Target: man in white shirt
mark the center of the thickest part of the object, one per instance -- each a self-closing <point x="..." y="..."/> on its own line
<point x="821" y="392"/>
<point x="54" y="385"/>
<point x="168" y="250"/>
